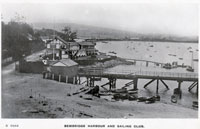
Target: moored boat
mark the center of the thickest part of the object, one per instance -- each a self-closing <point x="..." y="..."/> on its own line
<point x="174" y="99"/>
<point x="190" y="69"/>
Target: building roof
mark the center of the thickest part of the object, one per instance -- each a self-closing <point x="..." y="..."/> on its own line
<point x="63" y="62"/>
<point x="62" y="40"/>
<point x="73" y="43"/>
<point x="58" y="38"/>
<point x="86" y="43"/>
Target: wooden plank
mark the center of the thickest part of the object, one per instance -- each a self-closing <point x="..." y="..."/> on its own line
<point x="105" y="84"/>
<point x="164" y="84"/>
<point x="192" y="86"/>
<point x="149" y="83"/>
<point x="157" y="86"/>
<point x="128" y="84"/>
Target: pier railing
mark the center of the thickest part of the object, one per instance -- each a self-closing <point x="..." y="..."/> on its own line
<point x="101" y="72"/>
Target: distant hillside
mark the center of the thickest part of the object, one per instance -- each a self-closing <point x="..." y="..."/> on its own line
<point x="91" y="32"/>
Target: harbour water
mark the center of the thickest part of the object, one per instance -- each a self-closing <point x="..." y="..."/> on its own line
<point x="164" y="52"/>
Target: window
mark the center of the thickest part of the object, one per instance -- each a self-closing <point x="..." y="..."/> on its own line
<point x="57" y="46"/>
<point x="57" y="54"/>
<point x="48" y="45"/>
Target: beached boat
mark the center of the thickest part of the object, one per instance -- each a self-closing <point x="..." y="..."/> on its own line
<point x="132" y="91"/>
<point x="132" y="98"/>
<point x="123" y="90"/>
<point x="141" y="99"/>
<point x="121" y="96"/>
<point x="112" y="52"/>
<point x="150" y="100"/>
<point x="174" y="99"/>
<point x="157" y="97"/>
<point x="190" y="69"/>
<point x="167" y="66"/>
<point x="180" y="58"/>
<point x="195" y="104"/>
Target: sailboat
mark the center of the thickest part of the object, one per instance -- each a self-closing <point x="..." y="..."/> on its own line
<point x="190" y="68"/>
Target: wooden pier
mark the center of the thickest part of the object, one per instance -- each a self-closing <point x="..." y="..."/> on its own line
<point x="134" y="76"/>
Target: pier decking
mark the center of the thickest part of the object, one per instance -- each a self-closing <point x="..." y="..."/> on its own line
<point x="134" y="75"/>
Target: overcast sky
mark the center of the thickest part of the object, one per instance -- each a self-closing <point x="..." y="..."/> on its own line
<point x="179" y="19"/>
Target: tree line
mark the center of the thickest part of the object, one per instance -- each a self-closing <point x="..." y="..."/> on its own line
<point x="16" y="42"/>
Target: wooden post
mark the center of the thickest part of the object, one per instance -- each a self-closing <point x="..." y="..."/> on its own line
<point x="179" y="85"/>
<point x="157" y="86"/>
<point x="147" y="63"/>
<point x="197" y="92"/>
<point x="114" y="83"/>
<point x="92" y="81"/>
<point x="87" y="82"/>
<point x="52" y="76"/>
<point x="66" y="79"/>
<point x="79" y="80"/>
<point x="109" y="83"/>
<point x="179" y="88"/>
<point x="59" y="78"/>
<point x="73" y="80"/>
<point x="135" y="84"/>
<point x="149" y="83"/>
<point x="164" y="84"/>
<point x="44" y="74"/>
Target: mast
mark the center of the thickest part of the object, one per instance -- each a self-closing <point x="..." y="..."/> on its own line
<point x="54" y="37"/>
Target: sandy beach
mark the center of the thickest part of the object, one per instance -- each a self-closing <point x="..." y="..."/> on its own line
<point x="31" y="96"/>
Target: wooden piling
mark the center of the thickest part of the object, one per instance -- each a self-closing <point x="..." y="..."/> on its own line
<point x="135" y="81"/>
<point x="114" y="83"/>
<point x="73" y="80"/>
<point x="197" y="90"/>
<point x="109" y="83"/>
<point x="179" y="85"/>
<point x="147" y="63"/>
<point x="179" y="88"/>
<point x="157" y="86"/>
<point x="87" y="81"/>
<point x="164" y="84"/>
<point x="59" y="78"/>
<point x="44" y="75"/>
<point x="149" y="83"/>
<point x="66" y="79"/>
<point x="52" y="76"/>
<point x="79" y="80"/>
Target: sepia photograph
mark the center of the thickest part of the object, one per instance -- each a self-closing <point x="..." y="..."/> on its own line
<point x="99" y="60"/>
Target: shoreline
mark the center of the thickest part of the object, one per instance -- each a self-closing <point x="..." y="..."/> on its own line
<point x="171" y="41"/>
<point x="50" y="100"/>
